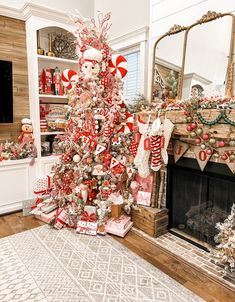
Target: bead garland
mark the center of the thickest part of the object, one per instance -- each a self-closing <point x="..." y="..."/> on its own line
<point x="222" y="115"/>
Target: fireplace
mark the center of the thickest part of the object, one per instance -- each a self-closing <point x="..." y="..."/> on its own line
<point x="198" y="200"/>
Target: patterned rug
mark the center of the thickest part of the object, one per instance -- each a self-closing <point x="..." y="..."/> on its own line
<point x="49" y="265"/>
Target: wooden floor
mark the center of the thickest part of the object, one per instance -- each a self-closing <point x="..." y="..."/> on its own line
<point x="193" y="279"/>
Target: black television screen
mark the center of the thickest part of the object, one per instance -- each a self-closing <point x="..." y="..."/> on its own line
<point x="6" y="92"/>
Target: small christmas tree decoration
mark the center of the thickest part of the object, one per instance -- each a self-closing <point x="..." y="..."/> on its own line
<point x="172" y="85"/>
<point x="224" y="253"/>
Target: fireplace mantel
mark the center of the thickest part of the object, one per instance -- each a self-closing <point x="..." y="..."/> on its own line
<point x="224" y="131"/>
<point x="221" y="130"/>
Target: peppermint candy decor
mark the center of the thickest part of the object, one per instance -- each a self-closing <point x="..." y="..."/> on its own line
<point x="127" y="126"/>
<point x="118" y="66"/>
<point x="69" y="77"/>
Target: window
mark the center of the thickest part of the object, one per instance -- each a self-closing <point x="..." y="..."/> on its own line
<point x="132" y="79"/>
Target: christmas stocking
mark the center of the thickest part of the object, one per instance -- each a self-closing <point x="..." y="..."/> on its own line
<point x="167" y="130"/>
<point x="155" y="141"/>
<point x="141" y="160"/>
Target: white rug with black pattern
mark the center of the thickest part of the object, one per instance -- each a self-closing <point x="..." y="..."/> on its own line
<point x="44" y="264"/>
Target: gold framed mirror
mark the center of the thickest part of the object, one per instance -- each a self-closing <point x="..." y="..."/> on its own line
<point x="166" y="67"/>
<point x="207" y="61"/>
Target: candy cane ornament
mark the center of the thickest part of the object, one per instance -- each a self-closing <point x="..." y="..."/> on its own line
<point x="68" y="78"/>
<point x="118" y="66"/>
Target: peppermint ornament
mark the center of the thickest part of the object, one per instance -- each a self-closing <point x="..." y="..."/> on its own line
<point x="118" y="66"/>
<point x="68" y="78"/>
<point x="127" y="126"/>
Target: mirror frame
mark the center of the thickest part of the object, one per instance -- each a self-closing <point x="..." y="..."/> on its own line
<point x="208" y="17"/>
<point x="175" y="29"/>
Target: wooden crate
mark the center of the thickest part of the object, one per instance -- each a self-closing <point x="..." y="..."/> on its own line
<point x="152" y="221"/>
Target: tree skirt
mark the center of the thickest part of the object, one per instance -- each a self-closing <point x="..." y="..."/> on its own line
<point x="44" y="264"/>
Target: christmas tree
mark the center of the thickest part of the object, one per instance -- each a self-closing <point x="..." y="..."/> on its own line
<point x="172" y="84"/>
<point x="224" y="254"/>
<point x="97" y="161"/>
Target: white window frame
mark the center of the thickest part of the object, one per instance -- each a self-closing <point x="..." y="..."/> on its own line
<point x="133" y="41"/>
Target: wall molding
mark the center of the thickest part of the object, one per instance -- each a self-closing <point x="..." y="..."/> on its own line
<point x="131" y="38"/>
<point x="168" y="64"/>
<point x="31" y="9"/>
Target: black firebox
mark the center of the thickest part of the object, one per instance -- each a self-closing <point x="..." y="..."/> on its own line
<point x="198" y="200"/>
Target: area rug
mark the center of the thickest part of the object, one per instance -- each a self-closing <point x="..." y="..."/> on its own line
<point x="44" y="264"/>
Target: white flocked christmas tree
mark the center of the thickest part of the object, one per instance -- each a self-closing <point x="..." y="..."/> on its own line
<point x="224" y="253"/>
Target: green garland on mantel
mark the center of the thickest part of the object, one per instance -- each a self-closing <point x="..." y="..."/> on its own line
<point x="222" y="116"/>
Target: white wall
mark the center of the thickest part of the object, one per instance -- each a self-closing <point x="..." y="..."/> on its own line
<point x="127" y="15"/>
<point x="85" y="7"/>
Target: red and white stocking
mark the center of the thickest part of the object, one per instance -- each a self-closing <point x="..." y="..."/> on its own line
<point x="156" y="162"/>
<point x="168" y="127"/>
<point x="155" y="142"/>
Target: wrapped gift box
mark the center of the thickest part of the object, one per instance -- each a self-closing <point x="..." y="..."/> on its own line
<point x="47" y="205"/>
<point x="61" y="218"/>
<point x="46" y="217"/>
<point x="47" y="208"/>
<point x="27" y="206"/>
<point x="119" y="223"/>
<point x="119" y="232"/>
<point x="144" y="198"/>
<point x="42" y="185"/>
<point x="86" y="227"/>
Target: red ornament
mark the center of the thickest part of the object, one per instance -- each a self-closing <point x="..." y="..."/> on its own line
<point x="189" y="128"/>
<point x="92" y="195"/>
<point x="221" y="144"/>
<point x="186" y="113"/>
<point x="193" y="125"/>
<point x="206" y="136"/>
<point x="83" y="48"/>
<point x="198" y="141"/>
<point x="209" y="151"/>
<point x="224" y="156"/>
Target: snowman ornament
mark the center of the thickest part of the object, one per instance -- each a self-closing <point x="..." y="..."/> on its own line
<point x="90" y="67"/>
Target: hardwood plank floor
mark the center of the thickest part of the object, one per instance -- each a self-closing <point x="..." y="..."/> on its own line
<point x="193" y="279"/>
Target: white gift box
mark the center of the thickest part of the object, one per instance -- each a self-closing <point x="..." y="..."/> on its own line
<point x="87" y="227"/>
<point x="144" y="198"/>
